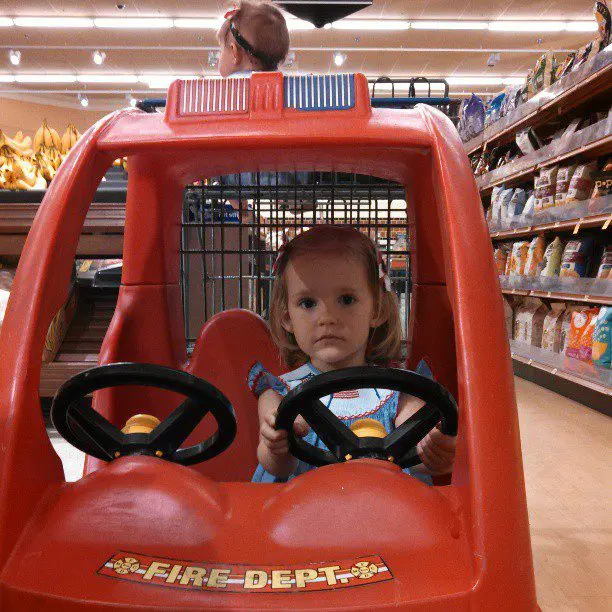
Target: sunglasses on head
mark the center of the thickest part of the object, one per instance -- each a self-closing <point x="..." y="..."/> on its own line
<point x="246" y="45"/>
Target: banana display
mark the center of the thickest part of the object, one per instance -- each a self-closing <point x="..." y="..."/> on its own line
<point x="32" y="165"/>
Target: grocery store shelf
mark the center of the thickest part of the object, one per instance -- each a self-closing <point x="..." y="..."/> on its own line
<point x="102" y="234"/>
<point x="590" y="290"/>
<point x="81" y="346"/>
<point x="569" y="93"/>
<point x="574" y="224"/>
<point x="593" y="377"/>
<point x="591" y="142"/>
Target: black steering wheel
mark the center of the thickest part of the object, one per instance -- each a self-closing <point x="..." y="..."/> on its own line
<point x="399" y="446"/>
<point x="89" y="431"/>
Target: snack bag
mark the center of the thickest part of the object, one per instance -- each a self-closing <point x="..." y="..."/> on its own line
<point x="605" y="267"/>
<point x="521" y="317"/>
<point x="603" y="184"/>
<point x="576" y="258"/>
<point x="566" y="324"/>
<point x="551" y="262"/>
<point x="535" y="255"/>
<point x="509" y="316"/>
<point x="563" y="182"/>
<point x="602" y="338"/>
<point x="519" y="258"/>
<point x="501" y="256"/>
<point x="551" y="331"/>
<point x="534" y="326"/>
<point x="547" y="186"/>
<point x="544" y="72"/>
<point x="516" y="205"/>
<point x="604" y="22"/>
<point x="538" y="187"/>
<point x="580" y="322"/>
<point x="586" y="340"/>
<point x="581" y="183"/>
<point x="527" y="214"/>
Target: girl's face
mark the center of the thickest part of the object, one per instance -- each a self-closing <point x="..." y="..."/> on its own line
<point x="229" y="59"/>
<point x="331" y="309"/>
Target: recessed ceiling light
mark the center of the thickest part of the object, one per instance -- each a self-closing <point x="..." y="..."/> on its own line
<point x="294" y="25"/>
<point x="107" y="78"/>
<point x="582" y="26"/>
<point x="6" y="22"/>
<point x="133" y="22"/>
<point x="339" y="58"/>
<point x="370" y="24"/>
<point x="132" y="101"/>
<point x="7" y="78"/>
<point x="53" y="22"/>
<point x="15" y="57"/>
<point x="449" y="25"/>
<point x="99" y="57"/>
<point x="84" y="100"/>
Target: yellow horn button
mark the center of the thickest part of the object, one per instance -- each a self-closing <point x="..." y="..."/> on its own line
<point x="140" y="424"/>
<point x="368" y="428"/>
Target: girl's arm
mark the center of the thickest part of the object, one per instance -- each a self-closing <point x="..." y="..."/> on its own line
<point x="273" y="449"/>
<point x="436" y="450"/>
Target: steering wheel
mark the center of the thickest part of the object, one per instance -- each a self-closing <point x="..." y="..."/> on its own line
<point x="399" y="446"/>
<point x="90" y="432"/>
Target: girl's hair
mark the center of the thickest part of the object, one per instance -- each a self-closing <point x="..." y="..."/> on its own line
<point x="264" y="29"/>
<point x="385" y="340"/>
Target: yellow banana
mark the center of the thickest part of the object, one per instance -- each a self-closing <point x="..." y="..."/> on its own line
<point x="39" y="138"/>
<point x="57" y="141"/>
<point x="46" y="136"/>
<point x="18" y="136"/>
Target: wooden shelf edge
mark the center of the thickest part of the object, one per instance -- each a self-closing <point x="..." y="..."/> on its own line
<point x="585" y="222"/>
<point x="552" y="295"/>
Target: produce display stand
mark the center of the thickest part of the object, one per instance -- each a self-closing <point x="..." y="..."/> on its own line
<point x="566" y="99"/>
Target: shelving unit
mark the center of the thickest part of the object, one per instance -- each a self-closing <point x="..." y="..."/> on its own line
<point x="566" y="99"/>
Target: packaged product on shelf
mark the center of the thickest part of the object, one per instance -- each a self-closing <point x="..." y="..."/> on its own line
<point x="472" y="118"/>
<point x="605" y="267"/>
<point x="527" y="214"/>
<point x="580" y="322"/>
<point x="516" y="205"/>
<point x="511" y="100"/>
<point x="535" y="256"/>
<point x="509" y="316"/>
<point x="493" y="112"/>
<point x="538" y="186"/>
<point x="586" y="54"/>
<point x="551" y="262"/>
<point x="547" y="185"/>
<point x="602" y="338"/>
<point x="566" y="325"/>
<point x="518" y="258"/>
<point x="576" y="258"/>
<point x="508" y="261"/>
<point x="544" y="73"/>
<point x="564" y="177"/>
<point x="495" y="194"/>
<point x="603" y="183"/>
<point x="586" y="340"/>
<point x="520" y="320"/>
<point x="501" y="257"/>
<point x="500" y="207"/>
<point x="528" y="141"/>
<point x="527" y="92"/>
<point x="551" y="329"/>
<point x="581" y="183"/>
<point x="529" y="322"/>
<point x="566" y="66"/>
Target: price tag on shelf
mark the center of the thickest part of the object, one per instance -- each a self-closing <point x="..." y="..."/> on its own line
<point x="607" y="223"/>
<point x="577" y="226"/>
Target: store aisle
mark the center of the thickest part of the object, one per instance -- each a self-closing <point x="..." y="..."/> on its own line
<point x="566" y="454"/>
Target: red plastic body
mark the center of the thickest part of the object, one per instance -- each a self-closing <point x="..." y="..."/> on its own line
<point x="462" y="547"/>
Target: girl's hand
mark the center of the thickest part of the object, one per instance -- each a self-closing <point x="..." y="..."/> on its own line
<point x="437" y="452"/>
<point x="275" y="440"/>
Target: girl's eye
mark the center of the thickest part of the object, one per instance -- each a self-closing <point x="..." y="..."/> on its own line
<point x="306" y="303"/>
<point x="347" y="300"/>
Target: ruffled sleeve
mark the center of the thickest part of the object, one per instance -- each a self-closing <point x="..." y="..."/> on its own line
<point x="260" y="380"/>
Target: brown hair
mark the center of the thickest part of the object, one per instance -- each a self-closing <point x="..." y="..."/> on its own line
<point x="263" y="26"/>
<point x="385" y="340"/>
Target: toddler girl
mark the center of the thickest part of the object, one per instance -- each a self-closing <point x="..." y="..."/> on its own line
<point x="332" y="307"/>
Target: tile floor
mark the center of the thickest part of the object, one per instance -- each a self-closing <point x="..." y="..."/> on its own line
<point x="566" y="453"/>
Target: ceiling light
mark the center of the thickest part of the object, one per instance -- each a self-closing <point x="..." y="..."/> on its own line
<point x="339" y="58"/>
<point x="449" y="25"/>
<point x="162" y="81"/>
<point x="132" y="101"/>
<point x="370" y="24"/>
<point x="45" y="78"/>
<point x="107" y="78"/>
<point x="84" y="100"/>
<point x="289" y="60"/>
<point x="6" y="22"/>
<point x="582" y="26"/>
<point x="294" y="25"/>
<point x="198" y="24"/>
<point x="99" y="57"/>
<point x="527" y="26"/>
<point x="7" y="78"/>
<point x="53" y="22"/>
<point x="15" y="57"/>
<point x="213" y="58"/>
<point x="133" y="22"/>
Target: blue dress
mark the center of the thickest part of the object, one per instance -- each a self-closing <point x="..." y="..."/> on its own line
<point x="348" y="406"/>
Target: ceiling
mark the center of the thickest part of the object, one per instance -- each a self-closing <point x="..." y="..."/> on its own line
<point x="185" y="51"/>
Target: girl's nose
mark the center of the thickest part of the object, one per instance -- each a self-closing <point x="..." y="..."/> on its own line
<point x="327" y="315"/>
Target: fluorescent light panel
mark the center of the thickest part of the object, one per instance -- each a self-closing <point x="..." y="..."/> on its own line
<point x="527" y="26"/>
<point x="7" y="78"/>
<point x="370" y="24"/>
<point x="198" y="24"/>
<point x="45" y="78"/>
<point x="449" y="25"/>
<point x="53" y="22"/>
<point x="6" y="22"/>
<point x="107" y="78"/>
<point x="133" y="23"/>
